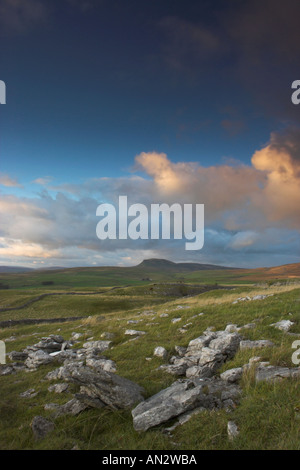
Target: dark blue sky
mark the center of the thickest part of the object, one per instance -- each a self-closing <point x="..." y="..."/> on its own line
<point x="92" y="84"/>
<point x="88" y="89"/>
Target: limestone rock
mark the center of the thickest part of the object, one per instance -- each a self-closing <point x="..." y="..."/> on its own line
<point x="58" y="388"/>
<point x="283" y="325"/>
<point x="105" y="364"/>
<point x="37" y="358"/>
<point x="99" y="346"/>
<point x="232" y="375"/>
<point x="226" y="343"/>
<point x="182" y="396"/>
<point x="41" y="427"/>
<point x="72" y="407"/>
<point x="28" y="393"/>
<point x="232" y="430"/>
<point x="275" y="373"/>
<point x="134" y="332"/>
<point x="261" y="343"/>
<point x="113" y="390"/>
<point x="160" y="351"/>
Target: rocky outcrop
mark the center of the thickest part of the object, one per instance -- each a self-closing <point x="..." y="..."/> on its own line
<point x="204" y="355"/>
<point x="196" y="367"/>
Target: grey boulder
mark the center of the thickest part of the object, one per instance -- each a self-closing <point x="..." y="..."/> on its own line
<point x="183" y="396"/>
<point x="114" y="391"/>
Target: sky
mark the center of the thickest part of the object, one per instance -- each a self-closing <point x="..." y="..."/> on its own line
<point x="164" y="101"/>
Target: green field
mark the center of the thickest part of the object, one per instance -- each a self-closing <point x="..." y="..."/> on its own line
<point x="268" y="414"/>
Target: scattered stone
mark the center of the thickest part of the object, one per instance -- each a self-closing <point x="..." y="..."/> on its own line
<point x="28" y="393"/>
<point x="107" y="335"/>
<point x="160" y="351"/>
<point x="51" y="406"/>
<point x="6" y="369"/>
<point x="283" y="325"/>
<point x="232" y="430"/>
<point x="76" y="336"/>
<point x="58" y="388"/>
<point x="41" y="427"/>
<point x="134" y="332"/>
<point x="72" y="407"/>
<point x="175" y="320"/>
<point x="261" y="343"/>
<point x="10" y="339"/>
<point x="248" y="326"/>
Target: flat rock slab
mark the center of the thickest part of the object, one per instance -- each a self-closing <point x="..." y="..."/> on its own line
<point x="261" y="343"/>
<point x="276" y="373"/>
<point x="183" y="396"/>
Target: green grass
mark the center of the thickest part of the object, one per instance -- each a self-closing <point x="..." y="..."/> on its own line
<point x="267" y="416"/>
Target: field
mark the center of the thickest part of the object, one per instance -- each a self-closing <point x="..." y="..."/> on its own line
<point x="96" y="301"/>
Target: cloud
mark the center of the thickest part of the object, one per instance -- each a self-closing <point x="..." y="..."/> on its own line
<point x="252" y="212"/>
<point x="12" y="248"/>
<point x="280" y="196"/>
<point x="220" y="188"/>
<point x="43" y="181"/>
<point x="20" y="16"/>
<point x="243" y="239"/>
<point x="6" y="180"/>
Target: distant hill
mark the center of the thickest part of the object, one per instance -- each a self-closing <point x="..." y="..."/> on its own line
<point x="166" y="265"/>
<point x="15" y="269"/>
<point x="277" y="272"/>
